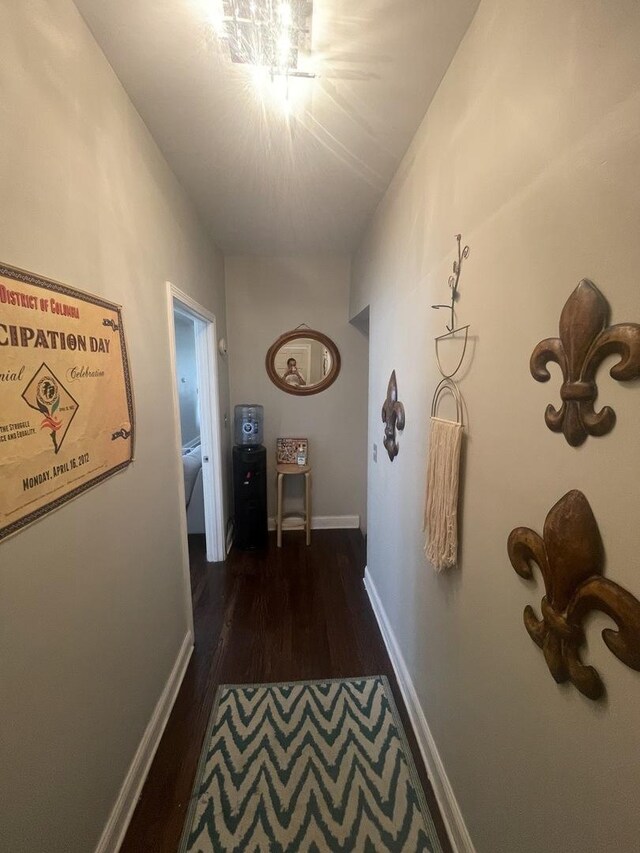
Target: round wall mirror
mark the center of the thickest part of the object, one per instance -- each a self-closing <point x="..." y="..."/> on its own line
<point x="303" y="362"/>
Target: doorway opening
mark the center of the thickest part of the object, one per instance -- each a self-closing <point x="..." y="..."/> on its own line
<point x="362" y="322"/>
<point x="193" y="349"/>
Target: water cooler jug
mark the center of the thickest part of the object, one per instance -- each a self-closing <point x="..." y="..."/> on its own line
<point x="249" y="478"/>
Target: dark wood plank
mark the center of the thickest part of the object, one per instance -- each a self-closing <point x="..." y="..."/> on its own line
<point x="288" y="614"/>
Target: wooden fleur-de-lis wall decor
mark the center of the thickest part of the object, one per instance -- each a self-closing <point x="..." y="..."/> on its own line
<point x="392" y="416"/>
<point x="585" y="340"/>
<point x="570" y="557"/>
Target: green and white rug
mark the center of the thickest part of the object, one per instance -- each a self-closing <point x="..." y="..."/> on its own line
<point x="307" y="766"/>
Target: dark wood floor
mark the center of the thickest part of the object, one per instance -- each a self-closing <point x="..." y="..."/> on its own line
<point x="287" y="614"/>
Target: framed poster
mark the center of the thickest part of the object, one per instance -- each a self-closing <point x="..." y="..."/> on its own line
<point x="66" y="404"/>
<point x="292" y="451"/>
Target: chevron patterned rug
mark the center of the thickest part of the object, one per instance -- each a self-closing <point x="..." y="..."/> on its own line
<point x="307" y="766"/>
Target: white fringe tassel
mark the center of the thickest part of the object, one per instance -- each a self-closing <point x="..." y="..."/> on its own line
<point x="441" y="506"/>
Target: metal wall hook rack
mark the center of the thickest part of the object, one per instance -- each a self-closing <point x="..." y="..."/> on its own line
<point x="448" y="385"/>
<point x="454" y="281"/>
<point x="464" y="329"/>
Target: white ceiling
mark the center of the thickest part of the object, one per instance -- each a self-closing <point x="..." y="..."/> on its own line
<point x="264" y="182"/>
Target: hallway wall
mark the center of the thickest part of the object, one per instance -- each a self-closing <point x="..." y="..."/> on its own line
<point x="531" y="149"/>
<point x="265" y="298"/>
<point x="92" y="605"/>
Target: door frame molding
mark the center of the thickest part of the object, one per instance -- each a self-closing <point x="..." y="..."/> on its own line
<point x="210" y="428"/>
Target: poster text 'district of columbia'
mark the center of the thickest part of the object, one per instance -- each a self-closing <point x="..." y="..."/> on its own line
<point x="66" y="406"/>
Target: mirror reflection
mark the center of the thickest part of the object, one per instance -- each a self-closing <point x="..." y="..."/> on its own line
<point x="303" y="362"/>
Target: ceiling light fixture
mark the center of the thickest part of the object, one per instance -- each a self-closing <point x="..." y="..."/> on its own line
<point x="269" y="34"/>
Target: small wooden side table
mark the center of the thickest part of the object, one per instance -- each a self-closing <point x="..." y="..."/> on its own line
<point x="282" y="471"/>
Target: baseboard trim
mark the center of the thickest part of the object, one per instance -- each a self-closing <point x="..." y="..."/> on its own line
<point x="116" y="827"/>
<point x="449" y="808"/>
<point x="328" y="522"/>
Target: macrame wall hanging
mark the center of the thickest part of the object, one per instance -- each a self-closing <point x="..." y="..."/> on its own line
<point x="445" y="447"/>
<point x="443" y="475"/>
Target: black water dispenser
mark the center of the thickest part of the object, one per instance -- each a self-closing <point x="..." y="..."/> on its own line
<point x="249" y="478"/>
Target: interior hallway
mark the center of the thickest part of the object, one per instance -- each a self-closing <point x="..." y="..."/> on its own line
<point x="288" y="614"/>
<point x="135" y="152"/>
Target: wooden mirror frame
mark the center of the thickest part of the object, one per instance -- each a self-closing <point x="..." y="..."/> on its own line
<point x="304" y="390"/>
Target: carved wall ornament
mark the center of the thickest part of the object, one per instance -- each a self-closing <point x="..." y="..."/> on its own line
<point x="570" y="556"/>
<point x="392" y="416"/>
<point x="585" y="340"/>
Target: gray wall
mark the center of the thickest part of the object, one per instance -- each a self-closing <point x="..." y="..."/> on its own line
<point x="92" y="610"/>
<point x="531" y="149"/>
<point x="265" y="298"/>
<point x="187" y="378"/>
